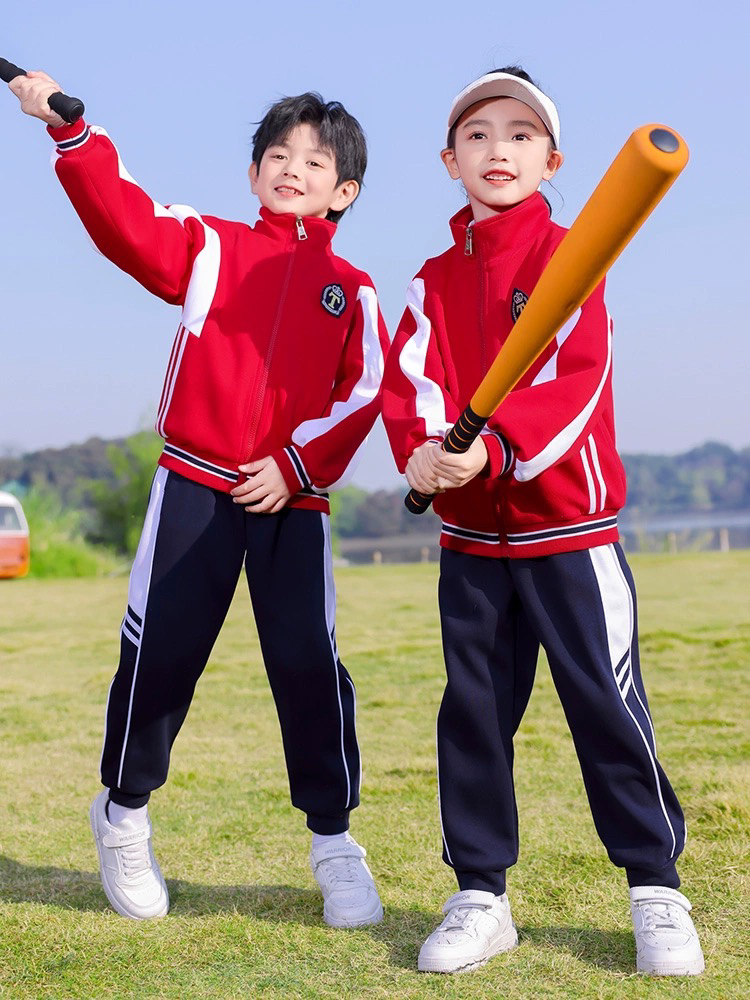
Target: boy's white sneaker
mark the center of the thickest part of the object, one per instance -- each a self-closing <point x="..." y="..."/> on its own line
<point x="350" y="898"/>
<point x="477" y="925"/>
<point x="128" y="869"/>
<point x="666" y="942"/>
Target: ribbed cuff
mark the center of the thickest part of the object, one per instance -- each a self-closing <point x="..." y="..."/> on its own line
<point x="663" y="876"/>
<point x="128" y="801"/>
<point x="68" y="137"/>
<point x="499" y="454"/>
<point x="292" y="469"/>
<point x="328" y="826"/>
<point x="486" y="881"/>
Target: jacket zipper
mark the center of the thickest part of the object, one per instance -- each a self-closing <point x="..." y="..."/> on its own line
<point x="501" y="499"/>
<point x="482" y="339"/>
<point x="469" y="252"/>
<point x="301" y="235"/>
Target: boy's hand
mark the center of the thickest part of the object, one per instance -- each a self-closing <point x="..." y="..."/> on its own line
<point x="456" y="470"/>
<point x="32" y="91"/>
<point x="266" y="489"/>
<point x="421" y="471"/>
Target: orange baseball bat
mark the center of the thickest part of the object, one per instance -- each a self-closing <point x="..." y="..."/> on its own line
<point x="639" y="177"/>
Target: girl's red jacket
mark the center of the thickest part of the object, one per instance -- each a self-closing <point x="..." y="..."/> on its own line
<point x="280" y="348"/>
<point x="554" y="481"/>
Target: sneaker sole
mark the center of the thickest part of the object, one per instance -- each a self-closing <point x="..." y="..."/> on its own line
<point x="113" y="901"/>
<point x="342" y="922"/>
<point x="686" y="969"/>
<point x="507" y="942"/>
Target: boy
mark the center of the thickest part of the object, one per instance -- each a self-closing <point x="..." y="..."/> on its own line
<point x="530" y="553"/>
<point x="272" y="386"/>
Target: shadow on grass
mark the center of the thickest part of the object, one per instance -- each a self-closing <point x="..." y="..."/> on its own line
<point x="610" y="950"/>
<point x="402" y="930"/>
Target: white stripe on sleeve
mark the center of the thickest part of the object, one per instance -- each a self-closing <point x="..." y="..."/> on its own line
<point x="363" y="392"/>
<point x="205" y="273"/>
<point x="562" y="441"/>
<point x="598" y="471"/>
<point x="589" y="481"/>
<point x="549" y="372"/>
<point x="430" y="404"/>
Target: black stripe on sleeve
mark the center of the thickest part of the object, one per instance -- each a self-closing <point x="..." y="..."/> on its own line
<point x="298" y="466"/>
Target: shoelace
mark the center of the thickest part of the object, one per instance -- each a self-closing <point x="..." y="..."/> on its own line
<point x="463" y="918"/>
<point x="135" y="859"/>
<point x="344" y="869"/>
<point x="662" y="916"/>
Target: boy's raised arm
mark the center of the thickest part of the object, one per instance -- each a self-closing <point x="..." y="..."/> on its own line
<point x="156" y="245"/>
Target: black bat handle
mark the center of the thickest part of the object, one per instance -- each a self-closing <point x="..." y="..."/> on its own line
<point x="459" y="439"/>
<point x="69" y="108"/>
<point x="418" y="503"/>
<point x="9" y="72"/>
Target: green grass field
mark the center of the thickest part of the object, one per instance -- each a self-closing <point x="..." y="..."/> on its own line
<point x="245" y="919"/>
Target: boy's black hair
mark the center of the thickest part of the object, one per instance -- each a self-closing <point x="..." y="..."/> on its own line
<point x="513" y="71"/>
<point x="338" y="132"/>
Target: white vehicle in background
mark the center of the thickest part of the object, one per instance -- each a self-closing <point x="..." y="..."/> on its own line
<point x="14" y="538"/>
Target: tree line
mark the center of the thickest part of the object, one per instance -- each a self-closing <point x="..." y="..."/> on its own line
<point x="107" y="482"/>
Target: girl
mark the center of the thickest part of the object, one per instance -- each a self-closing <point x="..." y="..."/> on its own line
<point x="530" y="543"/>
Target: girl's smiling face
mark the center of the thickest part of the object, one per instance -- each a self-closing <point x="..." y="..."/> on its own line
<point x="501" y="155"/>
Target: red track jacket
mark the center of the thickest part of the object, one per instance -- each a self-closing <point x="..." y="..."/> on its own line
<point x="554" y="481"/>
<point x="280" y="349"/>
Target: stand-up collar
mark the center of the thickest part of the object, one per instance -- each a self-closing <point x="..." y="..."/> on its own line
<point x="314" y="231"/>
<point x="505" y="230"/>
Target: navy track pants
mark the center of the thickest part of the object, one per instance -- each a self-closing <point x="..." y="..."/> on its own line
<point x="581" y="607"/>
<point x="184" y="577"/>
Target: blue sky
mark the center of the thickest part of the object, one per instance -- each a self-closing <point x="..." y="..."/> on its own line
<point x="178" y="86"/>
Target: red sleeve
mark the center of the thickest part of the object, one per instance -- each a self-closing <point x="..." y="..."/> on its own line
<point x="159" y="247"/>
<point x="547" y="418"/>
<point x="324" y="452"/>
<point x="417" y="405"/>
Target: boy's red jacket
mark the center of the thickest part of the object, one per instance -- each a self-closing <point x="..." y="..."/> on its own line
<point x="280" y="349"/>
<point x="554" y="481"/>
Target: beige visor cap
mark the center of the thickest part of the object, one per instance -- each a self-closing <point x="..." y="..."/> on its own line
<point x="507" y="85"/>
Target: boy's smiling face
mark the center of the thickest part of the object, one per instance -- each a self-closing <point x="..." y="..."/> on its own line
<point x="297" y="176"/>
<point x="501" y="155"/>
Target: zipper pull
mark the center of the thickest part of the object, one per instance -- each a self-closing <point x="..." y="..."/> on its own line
<point x="469" y="245"/>
<point x="301" y="234"/>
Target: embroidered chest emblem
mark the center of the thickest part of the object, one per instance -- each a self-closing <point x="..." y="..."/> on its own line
<point x="517" y="303"/>
<point x="333" y="299"/>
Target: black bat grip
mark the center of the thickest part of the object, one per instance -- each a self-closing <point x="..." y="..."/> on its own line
<point x="9" y="72"/>
<point x="69" y="108"/>
<point x="459" y="439"/>
<point x="418" y="503"/>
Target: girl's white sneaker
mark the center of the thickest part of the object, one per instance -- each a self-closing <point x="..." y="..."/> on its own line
<point x="128" y="869"/>
<point x="666" y="941"/>
<point x="477" y="925"/>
